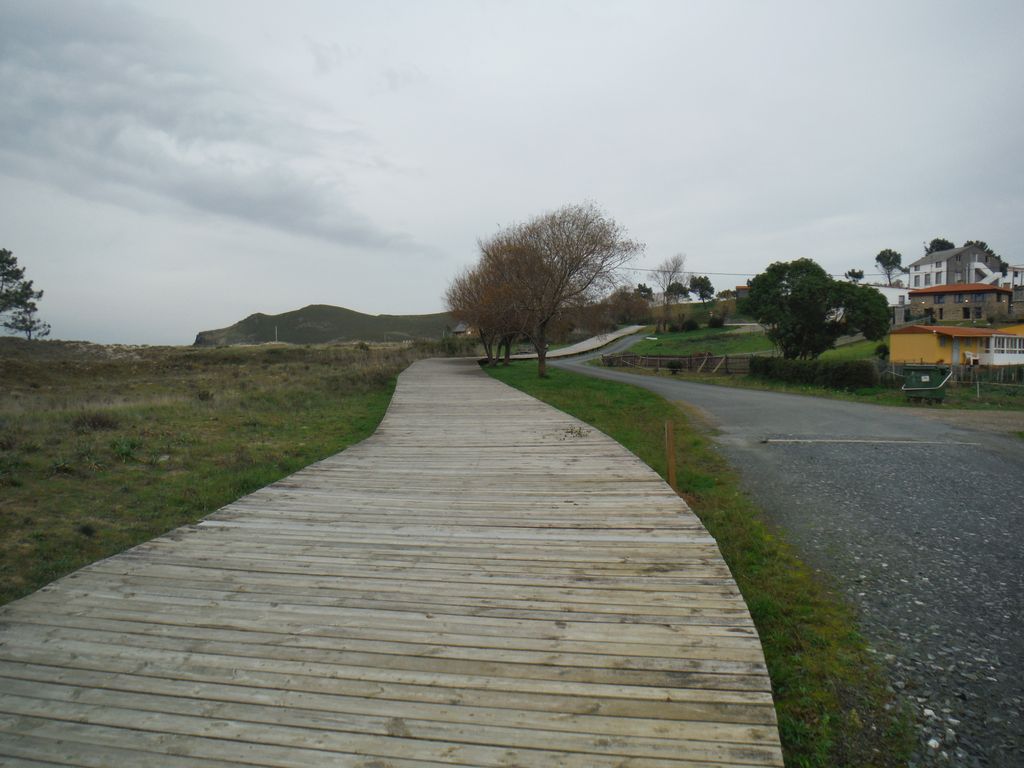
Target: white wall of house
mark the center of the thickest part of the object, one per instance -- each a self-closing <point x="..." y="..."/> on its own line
<point x="1014" y="276"/>
<point x="894" y="295"/>
<point x="1003" y="350"/>
<point x="950" y="272"/>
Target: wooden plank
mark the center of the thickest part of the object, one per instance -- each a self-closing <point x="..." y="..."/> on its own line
<point x="484" y="581"/>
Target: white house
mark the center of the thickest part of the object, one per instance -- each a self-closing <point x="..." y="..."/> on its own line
<point x="897" y="298"/>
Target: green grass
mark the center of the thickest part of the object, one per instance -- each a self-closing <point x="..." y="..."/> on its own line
<point x="859" y="350"/>
<point x="830" y="696"/>
<point x="717" y="341"/>
<point x="993" y="397"/>
<point x="102" y="448"/>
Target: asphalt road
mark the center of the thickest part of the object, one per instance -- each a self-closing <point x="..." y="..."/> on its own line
<point x="918" y="520"/>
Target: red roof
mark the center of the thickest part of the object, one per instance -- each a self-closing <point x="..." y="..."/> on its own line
<point x="959" y="288"/>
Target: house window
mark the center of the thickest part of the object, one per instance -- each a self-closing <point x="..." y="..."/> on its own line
<point x="940" y="313"/>
<point x="938" y="278"/>
<point x="939" y="298"/>
<point x="917" y="281"/>
<point x="977" y="313"/>
<point x="917" y="267"/>
<point x="959" y="298"/>
<point x="942" y="341"/>
<point x="958" y="257"/>
<point x="938" y="265"/>
<point x="927" y="279"/>
<point x="902" y="300"/>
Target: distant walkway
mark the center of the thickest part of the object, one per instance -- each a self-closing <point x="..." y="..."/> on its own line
<point x="483" y="582"/>
<point x="587" y="345"/>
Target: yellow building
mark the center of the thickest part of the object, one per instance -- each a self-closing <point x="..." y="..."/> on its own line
<point x="957" y="346"/>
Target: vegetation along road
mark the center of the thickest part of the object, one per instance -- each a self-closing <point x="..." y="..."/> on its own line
<point x="917" y="520"/>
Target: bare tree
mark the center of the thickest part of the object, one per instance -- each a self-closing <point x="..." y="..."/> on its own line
<point x="470" y="299"/>
<point x="666" y="275"/>
<point x="555" y="263"/>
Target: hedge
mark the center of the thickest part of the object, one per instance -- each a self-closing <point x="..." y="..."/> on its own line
<point x="838" y="374"/>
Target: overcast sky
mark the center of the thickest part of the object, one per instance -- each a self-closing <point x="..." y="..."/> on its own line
<point x="173" y="166"/>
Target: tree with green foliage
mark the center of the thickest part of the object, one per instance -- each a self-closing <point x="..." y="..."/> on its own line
<point x="701" y="286"/>
<point x="676" y="292"/>
<point x="18" y="299"/>
<point x="854" y="275"/>
<point x="890" y="262"/>
<point x="24" y="321"/>
<point x="804" y="310"/>
<point x="938" y="244"/>
<point x="645" y="292"/>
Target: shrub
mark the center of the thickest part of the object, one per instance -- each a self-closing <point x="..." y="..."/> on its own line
<point x="125" y="447"/>
<point x="690" y="324"/>
<point x="716" y="321"/>
<point x="674" y="366"/>
<point x="882" y="351"/>
<point x="94" y="421"/>
<point x="838" y="374"/>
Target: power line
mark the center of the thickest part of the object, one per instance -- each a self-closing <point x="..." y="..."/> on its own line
<point x="737" y="274"/>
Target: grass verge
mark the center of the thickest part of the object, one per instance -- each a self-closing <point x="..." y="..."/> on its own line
<point x="102" y="448"/>
<point x="717" y="341"/>
<point x="830" y="696"/>
<point x="967" y="397"/>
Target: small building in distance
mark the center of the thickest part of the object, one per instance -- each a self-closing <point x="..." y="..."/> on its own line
<point x="957" y="346"/>
<point x="976" y="301"/>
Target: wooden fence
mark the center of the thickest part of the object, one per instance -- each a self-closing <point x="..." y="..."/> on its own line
<point x="699" y="363"/>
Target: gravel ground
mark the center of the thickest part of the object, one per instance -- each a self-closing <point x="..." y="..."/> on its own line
<point x="921" y="522"/>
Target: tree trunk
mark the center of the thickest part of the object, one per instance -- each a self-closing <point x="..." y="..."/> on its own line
<point x="508" y="349"/>
<point x="540" y="343"/>
<point x="486" y="341"/>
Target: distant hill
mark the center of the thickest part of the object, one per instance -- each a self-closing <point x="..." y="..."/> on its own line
<point x="319" y="323"/>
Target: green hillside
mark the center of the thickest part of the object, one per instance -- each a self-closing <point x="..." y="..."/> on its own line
<point x="319" y="323"/>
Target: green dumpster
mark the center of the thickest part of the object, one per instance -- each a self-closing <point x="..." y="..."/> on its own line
<point x="926" y="382"/>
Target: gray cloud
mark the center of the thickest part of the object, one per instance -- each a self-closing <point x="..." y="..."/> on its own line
<point x="105" y="101"/>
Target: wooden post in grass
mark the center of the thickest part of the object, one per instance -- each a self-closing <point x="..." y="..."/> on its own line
<point x="670" y="453"/>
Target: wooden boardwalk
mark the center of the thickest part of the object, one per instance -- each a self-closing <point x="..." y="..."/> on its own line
<point x="484" y="582"/>
<point x="587" y="345"/>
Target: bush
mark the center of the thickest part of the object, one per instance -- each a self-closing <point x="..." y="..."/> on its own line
<point x="690" y="324"/>
<point x="838" y="374"/>
<point x="674" y="366"/>
<point x="94" y="421"/>
<point x="716" y="321"/>
<point x="882" y="351"/>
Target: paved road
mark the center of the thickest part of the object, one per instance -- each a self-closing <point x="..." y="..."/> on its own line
<point x="918" y="520"/>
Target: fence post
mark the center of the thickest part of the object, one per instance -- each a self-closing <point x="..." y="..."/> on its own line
<point x="670" y="454"/>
